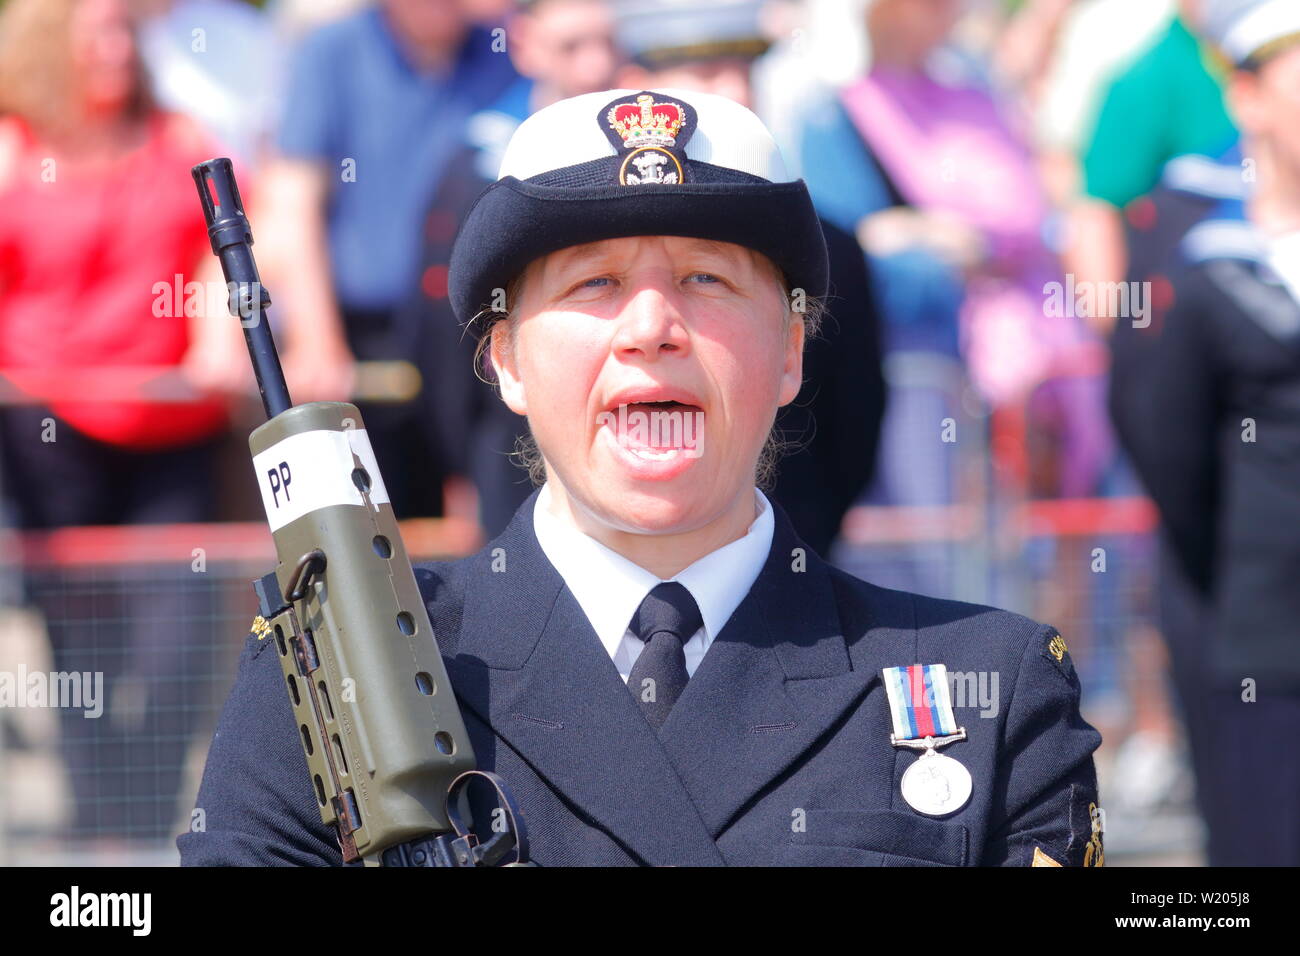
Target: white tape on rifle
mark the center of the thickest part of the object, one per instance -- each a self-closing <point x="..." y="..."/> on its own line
<point x="313" y="470"/>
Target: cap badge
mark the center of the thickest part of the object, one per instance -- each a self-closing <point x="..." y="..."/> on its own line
<point x="653" y="135"/>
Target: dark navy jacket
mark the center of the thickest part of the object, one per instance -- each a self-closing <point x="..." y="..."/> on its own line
<point x="1206" y="400"/>
<point x="776" y="753"/>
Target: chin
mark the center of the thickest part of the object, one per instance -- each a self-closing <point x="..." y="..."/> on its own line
<point x="655" y="507"/>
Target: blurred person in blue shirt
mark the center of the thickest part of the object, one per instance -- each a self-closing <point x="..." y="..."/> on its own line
<point x="375" y="111"/>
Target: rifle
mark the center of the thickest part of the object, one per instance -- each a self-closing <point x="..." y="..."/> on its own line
<point x="386" y="747"/>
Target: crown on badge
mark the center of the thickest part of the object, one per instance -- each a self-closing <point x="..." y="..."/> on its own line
<point x="645" y="122"/>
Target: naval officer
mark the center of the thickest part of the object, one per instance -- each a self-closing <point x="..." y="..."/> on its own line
<point x="663" y="671"/>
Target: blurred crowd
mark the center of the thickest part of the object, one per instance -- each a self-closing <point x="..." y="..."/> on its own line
<point x="1012" y="193"/>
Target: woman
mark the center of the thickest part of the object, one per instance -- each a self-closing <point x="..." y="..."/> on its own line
<point x="97" y="215"/>
<point x="661" y="669"/>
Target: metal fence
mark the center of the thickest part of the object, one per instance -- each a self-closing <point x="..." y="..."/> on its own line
<point x="119" y="645"/>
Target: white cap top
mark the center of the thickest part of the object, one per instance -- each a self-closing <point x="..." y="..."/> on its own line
<point x="1243" y="27"/>
<point x="569" y="132"/>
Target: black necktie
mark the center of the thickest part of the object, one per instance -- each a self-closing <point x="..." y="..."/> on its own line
<point x="665" y="620"/>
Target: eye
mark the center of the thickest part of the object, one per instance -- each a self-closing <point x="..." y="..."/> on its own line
<point x="708" y="278"/>
<point x="594" y="282"/>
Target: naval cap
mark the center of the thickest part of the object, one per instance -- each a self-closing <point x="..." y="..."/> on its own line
<point x="660" y="33"/>
<point x="1251" y="30"/>
<point x="616" y="163"/>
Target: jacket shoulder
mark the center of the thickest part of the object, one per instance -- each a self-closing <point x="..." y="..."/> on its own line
<point x="1039" y="751"/>
<point x="934" y="626"/>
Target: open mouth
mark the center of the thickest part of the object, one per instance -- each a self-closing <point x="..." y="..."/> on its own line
<point x="656" y="430"/>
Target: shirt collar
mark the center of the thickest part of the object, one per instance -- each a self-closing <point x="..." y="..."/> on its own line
<point x="609" y="588"/>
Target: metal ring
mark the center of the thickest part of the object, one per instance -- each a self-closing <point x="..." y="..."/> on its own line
<point x="309" y="565"/>
<point x="505" y="800"/>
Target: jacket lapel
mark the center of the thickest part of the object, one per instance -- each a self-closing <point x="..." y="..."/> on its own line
<point x="775" y="680"/>
<point x="528" y="663"/>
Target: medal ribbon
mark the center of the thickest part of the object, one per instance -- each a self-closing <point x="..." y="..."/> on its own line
<point x="919" y="701"/>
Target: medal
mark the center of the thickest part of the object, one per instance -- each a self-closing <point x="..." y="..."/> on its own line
<point x="935" y="785"/>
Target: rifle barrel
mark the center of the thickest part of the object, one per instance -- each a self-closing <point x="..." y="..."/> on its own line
<point x="232" y="241"/>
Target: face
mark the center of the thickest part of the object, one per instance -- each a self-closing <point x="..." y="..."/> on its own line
<point x="1193" y="11"/>
<point x="1267" y="104"/>
<point x="612" y="336"/>
<point x="427" y="24"/>
<point x="567" y="44"/>
<point x="724" y="76"/>
<point x="103" y="55"/>
<point x="909" y="30"/>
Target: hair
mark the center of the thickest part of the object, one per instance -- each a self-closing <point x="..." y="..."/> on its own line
<point x="1257" y="60"/>
<point x="528" y="456"/>
<point x="36" y="73"/>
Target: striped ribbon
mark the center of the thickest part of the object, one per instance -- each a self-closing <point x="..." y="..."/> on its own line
<point x="919" y="701"/>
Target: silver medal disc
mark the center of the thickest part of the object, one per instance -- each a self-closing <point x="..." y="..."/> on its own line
<point x="936" y="785"/>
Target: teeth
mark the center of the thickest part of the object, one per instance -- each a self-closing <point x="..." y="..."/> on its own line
<point x="654" y="456"/>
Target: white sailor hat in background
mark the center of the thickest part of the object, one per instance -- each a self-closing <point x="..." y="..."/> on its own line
<point x="660" y="33"/>
<point x="1249" y="31"/>
<point x="636" y="163"/>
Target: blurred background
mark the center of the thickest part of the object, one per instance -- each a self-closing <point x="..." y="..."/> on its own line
<point x="1007" y="190"/>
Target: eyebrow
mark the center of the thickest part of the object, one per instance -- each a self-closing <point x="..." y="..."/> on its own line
<point x="576" y="255"/>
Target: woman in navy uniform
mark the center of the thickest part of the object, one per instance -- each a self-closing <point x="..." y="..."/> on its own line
<point x="662" y="670"/>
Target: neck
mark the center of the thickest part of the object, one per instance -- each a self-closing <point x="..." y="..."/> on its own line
<point x="897" y="57"/>
<point x="543" y="95"/>
<point x="424" y="57"/>
<point x="1274" y="204"/>
<point x="663" y="555"/>
<point x="95" y="135"/>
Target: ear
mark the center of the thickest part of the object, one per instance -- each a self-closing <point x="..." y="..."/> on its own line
<point x="507" y="369"/>
<point x="792" y="372"/>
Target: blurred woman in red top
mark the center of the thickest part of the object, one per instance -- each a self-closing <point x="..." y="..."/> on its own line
<point x="97" y="214"/>
<point x="96" y="209"/>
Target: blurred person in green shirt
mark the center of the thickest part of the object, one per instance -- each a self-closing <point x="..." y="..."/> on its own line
<point x="1168" y="103"/>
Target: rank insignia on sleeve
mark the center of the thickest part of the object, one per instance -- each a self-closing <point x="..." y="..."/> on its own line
<point x="1087" y="828"/>
<point x="1093" y="854"/>
<point x="260" y="627"/>
<point x="1042" y="859"/>
<point x="1055" y="650"/>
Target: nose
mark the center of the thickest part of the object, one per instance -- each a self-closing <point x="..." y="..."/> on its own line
<point x="651" y="324"/>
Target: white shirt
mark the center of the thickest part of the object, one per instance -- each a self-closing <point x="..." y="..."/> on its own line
<point x="1284" y="258"/>
<point x="609" y="588"/>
